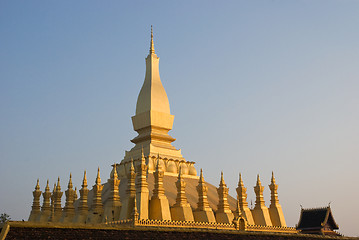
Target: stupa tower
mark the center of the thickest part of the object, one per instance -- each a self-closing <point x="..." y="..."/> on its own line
<point x="275" y="209"/>
<point x="152" y="122"/>
<point x="260" y="211"/>
<point x="35" y="212"/>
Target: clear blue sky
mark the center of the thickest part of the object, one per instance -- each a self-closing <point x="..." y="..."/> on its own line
<point x="255" y="86"/>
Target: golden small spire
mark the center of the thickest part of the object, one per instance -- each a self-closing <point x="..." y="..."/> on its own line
<point x="84" y="182"/>
<point x="258" y="189"/>
<point x="69" y="186"/>
<point x="98" y="179"/>
<point x="58" y="188"/>
<point x="223" y="206"/>
<point x="202" y="189"/>
<point x="35" y="209"/>
<point x="152" y="46"/>
<point x="201" y="176"/>
<point x="274" y="194"/>
<point x="222" y="180"/>
<point x="114" y="175"/>
<point x="47" y="188"/>
<point x="37" y="187"/>
<point x="240" y="182"/>
<point x="273" y="179"/>
<point x="258" y="181"/>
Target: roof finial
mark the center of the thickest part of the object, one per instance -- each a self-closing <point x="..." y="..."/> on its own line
<point x="273" y="179"/>
<point x="152" y="47"/>
<point x="58" y="187"/>
<point x="201" y="175"/>
<point x="222" y="183"/>
<point x="98" y="178"/>
<point x="84" y="181"/>
<point x="114" y="174"/>
<point x="47" y="188"/>
<point x="258" y="181"/>
<point x="37" y="187"/>
<point x="240" y="182"/>
<point x="70" y="182"/>
<point x="132" y="168"/>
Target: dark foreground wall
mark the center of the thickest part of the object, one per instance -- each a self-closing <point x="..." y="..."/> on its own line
<point x="109" y="234"/>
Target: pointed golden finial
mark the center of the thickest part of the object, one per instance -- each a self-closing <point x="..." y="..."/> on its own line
<point x="222" y="180"/>
<point x="273" y="179"/>
<point x="201" y="175"/>
<point x="152" y="47"/>
<point x="258" y="181"/>
<point x="240" y="182"/>
<point x="69" y="186"/>
<point x="47" y="188"/>
<point x="58" y="187"/>
<point x="37" y="187"/>
<point x="98" y="179"/>
<point x="84" y="181"/>
<point x="115" y="175"/>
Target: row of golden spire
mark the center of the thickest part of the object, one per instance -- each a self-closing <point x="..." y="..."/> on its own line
<point x="223" y="213"/>
<point x="57" y="186"/>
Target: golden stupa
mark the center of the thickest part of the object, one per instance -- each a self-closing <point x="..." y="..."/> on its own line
<point x="154" y="185"/>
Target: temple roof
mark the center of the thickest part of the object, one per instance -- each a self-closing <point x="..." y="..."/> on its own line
<point x="316" y="218"/>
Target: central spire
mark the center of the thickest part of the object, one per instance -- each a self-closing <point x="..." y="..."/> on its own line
<point x="153" y="96"/>
<point x="152" y="46"/>
<point x="152" y="122"/>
